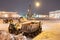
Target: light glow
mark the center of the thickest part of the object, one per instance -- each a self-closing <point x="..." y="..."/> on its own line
<point x="6" y="15"/>
<point x="37" y="4"/>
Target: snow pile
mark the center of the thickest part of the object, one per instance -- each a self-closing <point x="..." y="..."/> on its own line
<point x="7" y="36"/>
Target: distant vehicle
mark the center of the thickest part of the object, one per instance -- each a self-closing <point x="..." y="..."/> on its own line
<point x="7" y="20"/>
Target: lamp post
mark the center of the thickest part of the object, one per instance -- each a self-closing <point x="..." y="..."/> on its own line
<point x="37" y="5"/>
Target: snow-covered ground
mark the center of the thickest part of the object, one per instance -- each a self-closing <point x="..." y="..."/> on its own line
<point x="51" y="31"/>
<point x="51" y="26"/>
<point x="4" y="27"/>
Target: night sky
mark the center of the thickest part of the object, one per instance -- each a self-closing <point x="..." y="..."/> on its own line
<point x="21" y="6"/>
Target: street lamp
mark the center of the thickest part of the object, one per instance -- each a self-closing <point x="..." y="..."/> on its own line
<point x="6" y="15"/>
<point x="37" y="4"/>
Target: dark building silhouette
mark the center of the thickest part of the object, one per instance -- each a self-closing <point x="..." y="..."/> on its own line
<point x="29" y="14"/>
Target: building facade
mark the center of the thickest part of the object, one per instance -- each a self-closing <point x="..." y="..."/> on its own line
<point x="54" y="14"/>
<point x="8" y="14"/>
<point x="40" y="16"/>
